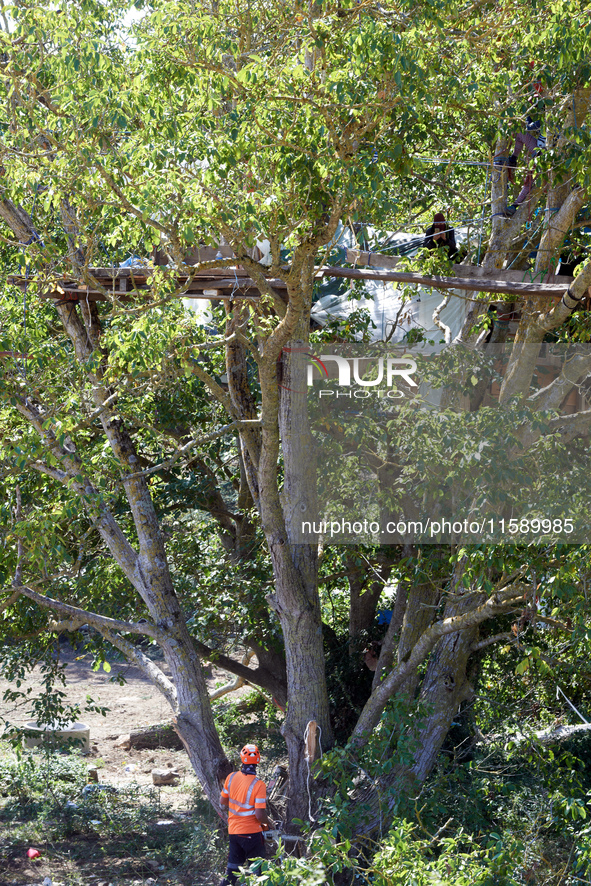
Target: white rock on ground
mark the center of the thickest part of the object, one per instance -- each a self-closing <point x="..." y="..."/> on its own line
<point x="165" y="776"/>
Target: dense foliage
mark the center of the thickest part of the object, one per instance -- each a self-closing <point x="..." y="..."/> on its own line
<point x="149" y="482"/>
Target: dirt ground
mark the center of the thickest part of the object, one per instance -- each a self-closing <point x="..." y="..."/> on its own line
<point x="136" y="704"/>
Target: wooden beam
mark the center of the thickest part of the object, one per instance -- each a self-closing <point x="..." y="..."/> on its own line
<point x="475" y="272"/>
<point x="125" y="283"/>
<point x="214" y="295"/>
<point x="379" y="260"/>
<point x="466" y="283"/>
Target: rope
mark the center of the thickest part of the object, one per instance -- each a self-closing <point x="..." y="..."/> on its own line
<point x="459" y="222"/>
<point x="560" y="692"/>
<point x="524" y="247"/>
<point x="534" y="231"/>
<point x="309" y="775"/>
<point x="455" y="162"/>
<point x="482" y="217"/>
<point x="407" y="246"/>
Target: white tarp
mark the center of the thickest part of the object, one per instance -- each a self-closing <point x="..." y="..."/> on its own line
<point x="394" y="311"/>
<point x="390" y="310"/>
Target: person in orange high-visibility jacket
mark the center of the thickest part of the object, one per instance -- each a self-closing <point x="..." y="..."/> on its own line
<point x="245" y="797"/>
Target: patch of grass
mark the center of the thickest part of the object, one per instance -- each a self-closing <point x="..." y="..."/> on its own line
<point x="85" y="832"/>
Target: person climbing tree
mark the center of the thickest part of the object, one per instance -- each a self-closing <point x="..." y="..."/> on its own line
<point x="532" y="141"/>
<point x="439" y="235"/>
<point x="371" y="656"/>
<point x="245" y="797"/>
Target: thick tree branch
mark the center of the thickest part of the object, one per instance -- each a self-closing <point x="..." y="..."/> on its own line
<point x="257" y="676"/>
<point x="508" y="637"/>
<point x="572" y="297"/>
<point x="100" y="622"/>
<point x="12" y="598"/>
<point x="72" y="476"/>
<point x="108" y="628"/>
<point x="18" y="221"/>
<point x="500" y="602"/>
<point x="554" y="623"/>
<point x="216" y="389"/>
<point x="226" y="429"/>
<point x="146" y="665"/>
<point x="235" y="684"/>
<point x="571" y="426"/>
<point x="573" y="373"/>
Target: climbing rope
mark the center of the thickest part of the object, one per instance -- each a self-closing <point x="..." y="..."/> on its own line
<point x="309" y="760"/>
<point x="441" y="160"/>
<point x="559" y="692"/>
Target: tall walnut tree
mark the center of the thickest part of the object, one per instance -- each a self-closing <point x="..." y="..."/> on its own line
<point x="243" y="121"/>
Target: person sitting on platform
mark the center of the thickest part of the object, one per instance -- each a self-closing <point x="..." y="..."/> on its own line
<point x="440" y="235"/>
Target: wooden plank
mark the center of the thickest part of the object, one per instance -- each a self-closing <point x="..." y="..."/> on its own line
<point x="114" y="273"/>
<point x="74" y="295"/>
<point x="511" y="276"/>
<point x="367" y="259"/>
<point x="379" y="260"/>
<point x="466" y="277"/>
<point x="77" y="290"/>
<point x="435" y="282"/>
<point x="226" y="283"/>
<point x="223" y="296"/>
<point x="218" y="277"/>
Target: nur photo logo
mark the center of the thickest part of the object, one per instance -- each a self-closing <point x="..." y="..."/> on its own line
<point x="354" y="375"/>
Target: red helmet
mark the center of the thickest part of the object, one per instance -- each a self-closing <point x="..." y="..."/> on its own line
<point x="250" y="754"/>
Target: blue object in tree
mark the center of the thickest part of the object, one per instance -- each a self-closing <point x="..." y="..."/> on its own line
<point x="384" y="616"/>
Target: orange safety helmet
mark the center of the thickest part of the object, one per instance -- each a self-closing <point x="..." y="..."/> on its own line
<point x="250" y="754"/>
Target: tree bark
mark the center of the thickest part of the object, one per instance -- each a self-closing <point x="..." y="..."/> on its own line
<point x="499" y="602"/>
<point x="563" y="203"/>
<point x="365" y="588"/>
<point x="295" y="565"/>
<point x="296" y="576"/>
<point x="445" y="685"/>
<point x="419" y="614"/>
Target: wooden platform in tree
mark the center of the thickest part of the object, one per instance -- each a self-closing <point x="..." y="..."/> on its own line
<point x="130" y="283"/>
<point x="235" y="282"/>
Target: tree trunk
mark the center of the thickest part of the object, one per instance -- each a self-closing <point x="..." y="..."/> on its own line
<point x="194" y="717"/>
<point x="419" y="614"/>
<point x="149" y="573"/>
<point x="295" y="598"/>
<point x="445" y="685"/>
<point x="147" y="567"/>
<point x="564" y="200"/>
<point x="296" y="577"/>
